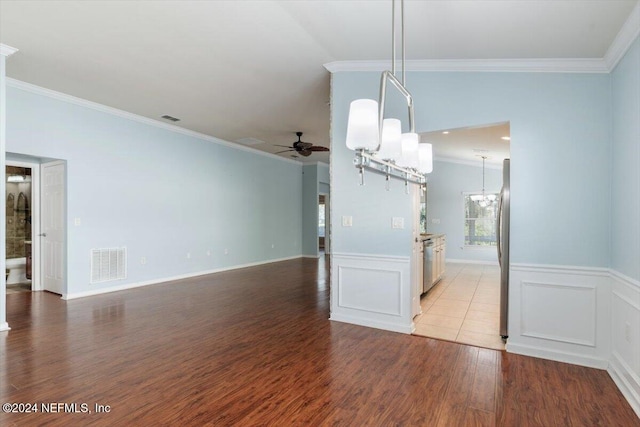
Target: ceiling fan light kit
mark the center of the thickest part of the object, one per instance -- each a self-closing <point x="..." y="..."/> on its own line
<point x="379" y="143"/>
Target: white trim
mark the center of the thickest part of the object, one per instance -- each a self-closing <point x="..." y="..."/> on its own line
<point x="18" y="84"/>
<point x="370" y="257"/>
<point x="625" y="279"/>
<point x="626" y="36"/>
<point x="558" y="356"/>
<point x="4" y="326"/>
<point x="542" y="65"/>
<point x="617" y="370"/>
<point x="6" y="50"/>
<point x="525" y="329"/>
<point x="126" y="286"/>
<point x="387" y="326"/>
<point x="561" y="269"/>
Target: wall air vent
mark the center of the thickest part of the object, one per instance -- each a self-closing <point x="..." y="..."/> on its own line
<point x="108" y="264"/>
<point x="170" y="118"/>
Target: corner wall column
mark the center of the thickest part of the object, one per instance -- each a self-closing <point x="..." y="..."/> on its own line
<point x="5" y="51"/>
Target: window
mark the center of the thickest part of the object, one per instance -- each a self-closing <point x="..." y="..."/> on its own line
<point x="480" y="219"/>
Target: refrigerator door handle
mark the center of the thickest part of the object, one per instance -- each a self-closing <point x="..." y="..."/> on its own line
<point x="498" y="226"/>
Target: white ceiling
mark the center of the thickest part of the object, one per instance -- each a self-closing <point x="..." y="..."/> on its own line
<point x="469" y="145"/>
<point x="254" y="69"/>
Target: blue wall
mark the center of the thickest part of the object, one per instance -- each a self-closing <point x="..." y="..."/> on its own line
<point x="625" y="167"/>
<point x="445" y="202"/>
<point x="560" y="145"/>
<point x="157" y="192"/>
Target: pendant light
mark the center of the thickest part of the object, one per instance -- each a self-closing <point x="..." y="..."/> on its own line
<point x="483" y="200"/>
<point x="378" y="142"/>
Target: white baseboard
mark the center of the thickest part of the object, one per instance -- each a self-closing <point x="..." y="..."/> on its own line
<point x="126" y="286"/>
<point x="622" y="375"/>
<point x="558" y="356"/>
<point x="372" y="323"/>
<point x="4" y="326"/>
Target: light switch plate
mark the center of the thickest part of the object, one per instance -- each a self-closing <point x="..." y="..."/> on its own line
<point x="397" y="222"/>
<point x="347" y="221"/>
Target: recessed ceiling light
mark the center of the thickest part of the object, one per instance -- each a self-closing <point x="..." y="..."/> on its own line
<point x="506" y="138"/>
<point x="446" y="132"/>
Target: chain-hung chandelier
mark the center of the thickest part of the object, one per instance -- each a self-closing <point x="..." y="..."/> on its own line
<point x="483" y="199"/>
<point x="379" y="143"/>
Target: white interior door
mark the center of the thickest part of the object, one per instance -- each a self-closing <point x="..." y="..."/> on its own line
<point x="52" y="228"/>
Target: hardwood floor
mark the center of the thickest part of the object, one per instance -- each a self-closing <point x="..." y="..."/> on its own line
<point x="254" y="347"/>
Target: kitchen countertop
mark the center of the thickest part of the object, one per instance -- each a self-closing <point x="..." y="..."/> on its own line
<point x="429" y="236"/>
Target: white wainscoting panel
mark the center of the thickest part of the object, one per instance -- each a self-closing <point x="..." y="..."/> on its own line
<point x="625" y="333"/>
<point x="556" y="299"/>
<point x="560" y="313"/>
<point x="372" y="290"/>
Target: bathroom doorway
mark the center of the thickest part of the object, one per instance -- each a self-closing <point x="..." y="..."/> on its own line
<point x="19" y="220"/>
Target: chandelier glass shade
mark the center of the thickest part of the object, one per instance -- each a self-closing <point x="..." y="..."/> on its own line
<point x="379" y="143"/>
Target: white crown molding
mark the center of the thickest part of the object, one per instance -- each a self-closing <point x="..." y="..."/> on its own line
<point x="18" y="84"/>
<point x="625" y="37"/>
<point x="551" y="65"/>
<point x="627" y="34"/>
<point x="7" y="50"/>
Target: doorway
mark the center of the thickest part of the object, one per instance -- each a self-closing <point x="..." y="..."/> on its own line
<point x="465" y="305"/>
<point x="21" y="217"/>
<point x="36" y="228"/>
<point x="322" y="225"/>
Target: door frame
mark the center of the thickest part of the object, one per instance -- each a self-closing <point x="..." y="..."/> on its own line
<point x="36" y="279"/>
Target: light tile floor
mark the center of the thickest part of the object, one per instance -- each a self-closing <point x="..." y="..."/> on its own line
<point x="463" y="307"/>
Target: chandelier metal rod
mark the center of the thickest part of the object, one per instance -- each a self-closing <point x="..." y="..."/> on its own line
<point x="364" y="160"/>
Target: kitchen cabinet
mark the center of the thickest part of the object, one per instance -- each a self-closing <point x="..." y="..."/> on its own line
<point x="439" y="252"/>
<point x="434" y="259"/>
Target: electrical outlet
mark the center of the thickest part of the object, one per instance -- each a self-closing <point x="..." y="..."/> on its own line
<point x="347" y="221"/>
<point x="77" y="222"/>
<point x="397" y="222"/>
<point x="627" y="331"/>
<point x="143" y="260"/>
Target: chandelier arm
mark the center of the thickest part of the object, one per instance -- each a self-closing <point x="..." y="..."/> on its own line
<point x="387" y="75"/>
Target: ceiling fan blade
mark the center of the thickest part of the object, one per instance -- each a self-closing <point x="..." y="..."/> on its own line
<point x="285" y="151"/>
<point x="285" y="146"/>
<point x="317" y="148"/>
<point x="305" y="153"/>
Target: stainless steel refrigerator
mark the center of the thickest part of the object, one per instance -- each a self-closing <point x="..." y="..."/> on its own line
<point x="502" y="237"/>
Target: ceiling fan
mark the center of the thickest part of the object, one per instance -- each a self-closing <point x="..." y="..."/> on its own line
<point x="303" y="148"/>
